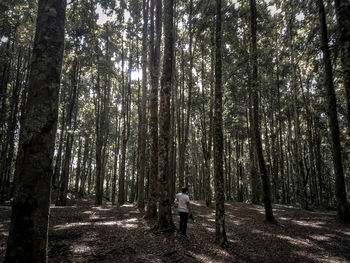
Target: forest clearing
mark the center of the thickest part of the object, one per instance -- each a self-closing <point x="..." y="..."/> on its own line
<point x="82" y="232"/>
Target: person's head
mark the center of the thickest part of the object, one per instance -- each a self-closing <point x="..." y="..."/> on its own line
<point x="184" y="190"/>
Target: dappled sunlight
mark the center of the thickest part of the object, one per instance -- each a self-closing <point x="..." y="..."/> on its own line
<point x="284" y="218"/>
<point x="308" y="224"/>
<point x="53" y="206"/>
<point x="210" y="229"/>
<point x="320" y="237"/>
<point x="95" y="217"/>
<point x="221" y="252"/>
<point x="317" y="258"/>
<point x="88" y="212"/>
<point x="80" y="249"/>
<point x="256" y="231"/>
<point x="108" y="223"/>
<point x="131" y="223"/>
<point x="132" y="220"/>
<point x="295" y="241"/>
<point x="236" y="222"/>
<point x="203" y="258"/>
<point x="4" y="233"/>
<point x="127" y="205"/>
<point x="102" y="208"/>
<point x="70" y="225"/>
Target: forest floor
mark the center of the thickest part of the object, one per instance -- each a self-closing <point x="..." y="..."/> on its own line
<point x="82" y="232"/>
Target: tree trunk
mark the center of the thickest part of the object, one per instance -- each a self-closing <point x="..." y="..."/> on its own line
<point x="254" y="169"/>
<point x="343" y="19"/>
<point x="28" y="234"/>
<point x="298" y="158"/>
<point x="73" y="97"/>
<point x="78" y="171"/>
<point x="257" y="136"/>
<point x="142" y="153"/>
<point x="220" y="233"/>
<point x="151" y="211"/>
<point x="165" y="220"/>
<point x="342" y="205"/>
<point x="116" y="154"/>
<point x="84" y="166"/>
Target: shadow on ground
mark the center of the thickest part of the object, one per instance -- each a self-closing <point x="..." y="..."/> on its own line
<point x="82" y="232"/>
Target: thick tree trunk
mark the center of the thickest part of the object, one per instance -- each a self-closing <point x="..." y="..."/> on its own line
<point x="165" y="220"/>
<point x="220" y="233"/>
<point x="151" y="211"/>
<point x="30" y="212"/>
<point x="342" y="205"/>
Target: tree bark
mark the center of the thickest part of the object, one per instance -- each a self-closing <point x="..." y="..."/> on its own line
<point x="30" y="212"/>
<point x="142" y="153"/>
<point x="343" y="19"/>
<point x="165" y="220"/>
<point x="257" y="136"/>
<point x="220" y="233"/>
<point x="151" y="211"/>
<point x="301" y="191"/>
<point x="342" y="205"/>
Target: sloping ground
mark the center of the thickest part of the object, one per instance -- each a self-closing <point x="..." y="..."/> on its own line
<point x="85" y="233"/>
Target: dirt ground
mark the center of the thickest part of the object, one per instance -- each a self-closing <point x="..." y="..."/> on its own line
<point x="82" y="232"/>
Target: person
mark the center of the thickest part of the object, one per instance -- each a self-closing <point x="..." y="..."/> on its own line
<point x="184" y="209"/>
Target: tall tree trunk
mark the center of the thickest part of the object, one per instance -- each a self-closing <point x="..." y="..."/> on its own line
<point x="122" y="194"/>
<point x="220" y="233"/>
<point x="257" y="136"/>
<point x="342" y="205"/>
<point x="183" y="144"/>
<point x="142" y="153"/>
<point x="165" y="220"/>
<point x="301" y="191"/>
<point x="57" y="171"/>
<point x="254" y="172"/>
<point x="28" y="233"/>
<point x="343" y="18"/>
<point x="73" y="97"/>
<point x="151" y="211"/>
<point x="206" y="144"/>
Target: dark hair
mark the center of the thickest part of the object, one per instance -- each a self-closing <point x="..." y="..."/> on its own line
<point x="184" y="189"/>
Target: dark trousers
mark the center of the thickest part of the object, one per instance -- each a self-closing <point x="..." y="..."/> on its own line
<point x="183" y="222"/>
